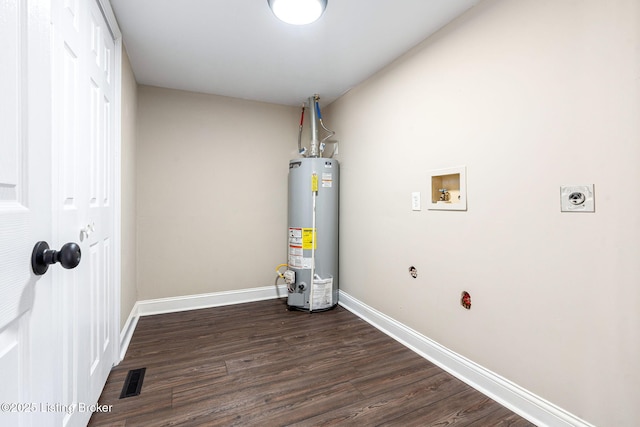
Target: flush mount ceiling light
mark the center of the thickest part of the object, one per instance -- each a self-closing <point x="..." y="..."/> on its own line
<point x="298" y="12"/>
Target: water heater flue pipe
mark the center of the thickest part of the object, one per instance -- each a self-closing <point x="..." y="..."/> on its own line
<point x="317" y="145"/>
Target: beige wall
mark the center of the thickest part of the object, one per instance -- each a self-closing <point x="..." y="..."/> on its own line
<point x="529" y="95"/>
<point x="212" y="192"/>
<point x="128" y="290"/>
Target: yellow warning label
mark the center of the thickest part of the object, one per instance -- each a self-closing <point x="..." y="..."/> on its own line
<point x="314" y="182"/>
<point x="309" y="238"/>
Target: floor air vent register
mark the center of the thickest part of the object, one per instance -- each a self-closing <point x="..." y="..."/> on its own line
<point x="133" y="383"/>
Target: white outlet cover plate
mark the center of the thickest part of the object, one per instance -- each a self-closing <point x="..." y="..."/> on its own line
<point x="415" y="201"/>
<point x="577" y="198"/>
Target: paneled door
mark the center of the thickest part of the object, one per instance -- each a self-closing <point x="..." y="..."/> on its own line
<point x="58" y="331"/>
<point x="27" y="350"/>
<point x="83" y="202"/>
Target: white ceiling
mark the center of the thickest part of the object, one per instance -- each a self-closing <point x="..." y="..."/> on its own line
<point x="238" y="48"/>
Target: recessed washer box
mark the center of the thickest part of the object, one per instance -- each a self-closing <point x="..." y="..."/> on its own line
<point x="448" y="189"/>
<point x="577" y="198"/>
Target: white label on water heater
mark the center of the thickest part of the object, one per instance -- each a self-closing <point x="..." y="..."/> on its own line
<point x="295" y="247"/>
<point x="297" y="261"/>
<point x="299" y="240"/>
<point x="327" y="180"/>
<point x="295" y="233"/>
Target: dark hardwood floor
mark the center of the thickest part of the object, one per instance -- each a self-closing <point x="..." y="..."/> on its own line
<point x="259" y="364"/>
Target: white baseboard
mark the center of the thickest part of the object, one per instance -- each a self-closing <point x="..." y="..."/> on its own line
<point x="193" y="302"/>
<point x="127" y="331"/>
<point x="522" y="402"/>
<point x="215" y="299"/>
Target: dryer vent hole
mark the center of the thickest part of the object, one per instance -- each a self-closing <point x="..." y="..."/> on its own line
<point x="465" y="300"/>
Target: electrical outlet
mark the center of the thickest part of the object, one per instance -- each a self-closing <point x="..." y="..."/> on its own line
<point x="577" y="198"/>
<point x="415" y="201"/>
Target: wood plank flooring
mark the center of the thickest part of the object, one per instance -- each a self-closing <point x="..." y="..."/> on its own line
<point x="258" y="364"/>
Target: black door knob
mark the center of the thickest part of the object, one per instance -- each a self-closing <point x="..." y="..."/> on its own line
<point x="68" y="256"/>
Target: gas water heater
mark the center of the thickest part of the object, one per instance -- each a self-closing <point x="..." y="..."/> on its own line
<point x="314" y="183"/>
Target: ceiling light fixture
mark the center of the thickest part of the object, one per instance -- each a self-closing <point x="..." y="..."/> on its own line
<point x="298" y="12"/>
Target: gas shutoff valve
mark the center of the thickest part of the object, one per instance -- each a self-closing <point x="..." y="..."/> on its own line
<point x="289" y="277"/>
